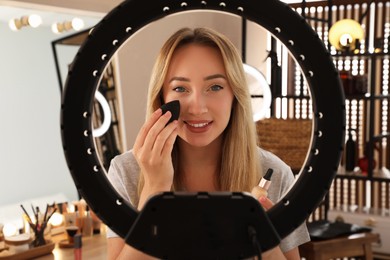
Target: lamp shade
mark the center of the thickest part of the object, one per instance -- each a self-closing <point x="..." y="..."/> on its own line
<point x="344" y="33"/>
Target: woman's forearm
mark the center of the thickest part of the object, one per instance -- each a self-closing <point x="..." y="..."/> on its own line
<point x="273" y="254"/>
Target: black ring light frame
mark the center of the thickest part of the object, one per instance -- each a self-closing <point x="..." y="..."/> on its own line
<point x="279" y="19"/>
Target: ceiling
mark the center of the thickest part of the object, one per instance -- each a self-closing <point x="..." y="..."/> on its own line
<point x="52" y="11"/>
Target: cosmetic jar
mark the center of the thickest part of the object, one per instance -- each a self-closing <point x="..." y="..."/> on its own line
<point x="18" y="243"/>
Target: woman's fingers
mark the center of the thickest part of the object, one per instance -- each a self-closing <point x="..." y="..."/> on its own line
<point x="154" y="143"/>
<point x="157" y="134"/>
<point x="266" y="202"/>
<point x="170" y="141"/>
<point x="140" y="139"/>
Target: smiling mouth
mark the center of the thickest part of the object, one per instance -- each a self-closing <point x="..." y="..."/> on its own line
<point x="199" y="125"/>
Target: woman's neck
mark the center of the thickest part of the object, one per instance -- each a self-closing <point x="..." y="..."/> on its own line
<point x="199" y="166"/>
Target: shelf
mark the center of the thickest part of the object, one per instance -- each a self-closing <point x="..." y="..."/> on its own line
<point x="381" y="136"/>
<point x="354" y="176"/>
<point x="293" y="96"/>
<point x="362" y="55"/>
<point x="358" y="96"/>
<point x="366" y="96"/>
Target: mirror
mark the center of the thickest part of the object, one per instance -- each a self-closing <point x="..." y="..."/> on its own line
<point x="125" y="82"/>
<point x="291" y="100"/>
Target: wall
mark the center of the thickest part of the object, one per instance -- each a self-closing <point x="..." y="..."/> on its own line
<point x="31" y="157"/>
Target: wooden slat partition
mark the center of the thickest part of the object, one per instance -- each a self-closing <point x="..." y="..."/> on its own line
<point x="359" y="192"/>
<point x="369" y="117"/>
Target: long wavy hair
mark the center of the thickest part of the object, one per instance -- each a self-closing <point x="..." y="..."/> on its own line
<point x="240" y="168"/>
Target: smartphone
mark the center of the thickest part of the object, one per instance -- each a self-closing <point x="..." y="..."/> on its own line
<point x="174" y="107"/>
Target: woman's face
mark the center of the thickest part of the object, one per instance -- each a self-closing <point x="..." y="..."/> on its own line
<point x="197" y="78"/>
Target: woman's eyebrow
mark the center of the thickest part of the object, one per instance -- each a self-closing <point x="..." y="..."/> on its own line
<point x="179" y="79"/>
<point x="215" y="76"/>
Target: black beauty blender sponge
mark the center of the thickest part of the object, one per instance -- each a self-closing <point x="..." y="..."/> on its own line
<point x="174" y="107"/>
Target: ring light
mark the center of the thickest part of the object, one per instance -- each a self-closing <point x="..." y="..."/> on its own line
<point x="257" y="82"/>
<point x="280" y="20"/>
<point x="103" y="128"/>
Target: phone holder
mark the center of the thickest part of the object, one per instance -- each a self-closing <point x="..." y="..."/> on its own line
<point x="202" y="226"/>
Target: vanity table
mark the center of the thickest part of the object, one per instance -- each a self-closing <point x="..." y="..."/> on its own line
<point x="348" y="246"/>
<point x="94" y="247"/>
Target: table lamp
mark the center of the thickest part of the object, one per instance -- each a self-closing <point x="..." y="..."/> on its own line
<point x="345" y="34"/>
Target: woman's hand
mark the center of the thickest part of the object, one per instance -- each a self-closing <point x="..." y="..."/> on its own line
<point x="152" y="150"/>
<point x="266" y="202"/>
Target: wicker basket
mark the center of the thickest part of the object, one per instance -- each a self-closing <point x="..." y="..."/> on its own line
<point x="289" y="139"/>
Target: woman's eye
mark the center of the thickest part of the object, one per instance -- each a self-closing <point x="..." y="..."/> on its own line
<point x="215" y="88"/>
<point x="179" y="89"/>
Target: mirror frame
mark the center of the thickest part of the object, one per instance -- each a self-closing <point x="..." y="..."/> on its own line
<point x="290" y="28"/>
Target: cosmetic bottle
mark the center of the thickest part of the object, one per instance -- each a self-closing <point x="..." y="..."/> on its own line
<point x="79" y="219"/>
<point x="87" y="223"/>
<point x="96" y="223"/>
<point x="70" y="219"/>
<point x="262" y="188"/>
<point x="77" y="247"/>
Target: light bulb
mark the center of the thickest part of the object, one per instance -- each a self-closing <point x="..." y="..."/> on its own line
<point x="346" y="40"/>
<point x="54" y="28"/>
<point x="56" y="219"/>
<point x="77" y="24"/>
<point x="10" y="230"/>
<point x="14" y="24"/>
<point x="34" y="20"/>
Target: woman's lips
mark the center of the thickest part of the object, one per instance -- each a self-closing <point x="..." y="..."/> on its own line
<point x="198" y="126"/>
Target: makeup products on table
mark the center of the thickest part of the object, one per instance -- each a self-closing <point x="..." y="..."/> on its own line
<point x="71" y="231"/>
<point x="18" y="243"/>
<point x="87" y="223"/>
<point x="69" y="218"/>
<point x="40" y="224"/>
<point x="77" y="247"/>
<point x="262" y="188"/>
<point x="79" y="218"/>
<point x="96" y="223"/>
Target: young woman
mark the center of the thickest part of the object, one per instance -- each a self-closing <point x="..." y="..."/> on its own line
<point x="211" y="147"/>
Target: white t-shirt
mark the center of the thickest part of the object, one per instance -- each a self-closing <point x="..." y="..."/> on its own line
<point x="124" y="173"/>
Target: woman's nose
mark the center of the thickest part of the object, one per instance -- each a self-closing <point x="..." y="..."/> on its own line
<point x="197" y="104"/>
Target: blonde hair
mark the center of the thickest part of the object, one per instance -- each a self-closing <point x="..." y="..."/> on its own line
<point x="240" y="168"/>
